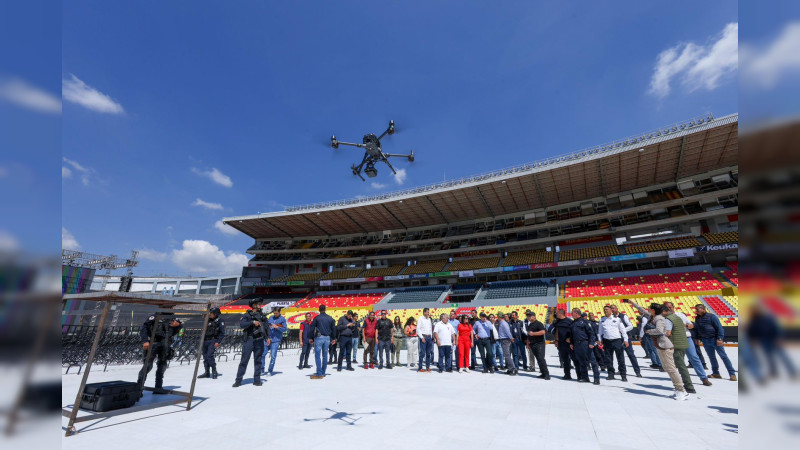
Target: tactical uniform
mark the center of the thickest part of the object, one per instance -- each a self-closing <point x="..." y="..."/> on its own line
<point x="253" y="344"/>
<point x="583" y="335"/>
<point x="562" y="329"/>
<point x="163" y="334"/>
<point x="215" y="332"/>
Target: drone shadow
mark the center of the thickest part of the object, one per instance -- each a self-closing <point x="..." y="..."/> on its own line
<point x="347" y="418"/>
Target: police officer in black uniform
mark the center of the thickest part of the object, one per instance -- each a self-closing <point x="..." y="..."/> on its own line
<point x="215" y="331"/>
<point x="583" y="340"/>
<point x="252" y="323"/>
<point x="162" y="335"/>
<point x="562" y="329"/>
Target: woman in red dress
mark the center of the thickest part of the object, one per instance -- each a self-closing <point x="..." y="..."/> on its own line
<point x="465" y="339"/>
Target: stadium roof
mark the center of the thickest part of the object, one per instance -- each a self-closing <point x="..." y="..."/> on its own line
<point x="670" y="153"/>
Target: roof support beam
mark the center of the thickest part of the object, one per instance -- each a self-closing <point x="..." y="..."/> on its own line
<point x="351" y="220"/>
<point x="539" y="190"/>
<point x="437" y="209"/>
<point x="270" y="224"/>
<point x="315" y="225"/>
<point x="602" y="177"/>
<point x="680" y="158"/>
<point x="485" y="203"/>
<point x="395" y="217"/>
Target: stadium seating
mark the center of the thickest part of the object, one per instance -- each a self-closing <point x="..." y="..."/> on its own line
<point x="588" y="252"/>
<point x="418" y="294"/>
<point x="476" y="263"/>
<point x="718" y="306"/>
<point x="662" y="245"/>
<point x="304" y="277"/>
<point x="465" y="289"/>
<point x="722" y="238"/>
<point x="645" y="284"/>
<point x="733" y="274"/>
<point x="383" y="271"/>
<point x="342" y="300"/>
<point x="516" y="289"/>
<point x="342" y="274"/>
<point x="528" y="257"/>
<point x="426" y="267"/>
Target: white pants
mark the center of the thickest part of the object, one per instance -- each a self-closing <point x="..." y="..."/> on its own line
<point x="412" y="343"/>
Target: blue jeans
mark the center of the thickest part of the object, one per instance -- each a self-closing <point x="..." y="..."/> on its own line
<point x="272" y="349"/>
<point x="694" y="361"/>
<point x="518" y="348"/>
<point x="712" y="349"/>
<point x="497" y="349"/>
<point x="355" y="348"/>
<point x="384" y="347"/>
<point x="446" y="354"/>
<point x="321" y="347"/>
<point x="425" y="351"/>
<point x="650" y="349"/>
<point x="773" y="350"/>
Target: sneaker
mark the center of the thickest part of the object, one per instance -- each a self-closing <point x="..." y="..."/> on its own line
<point x="733" y="377"/>
<point x="706" y="382"/>
<point x="316" y="377"/>
<point x="371" y="366"/>
<point x="681" y="396"/>
<point x="466" y="370"/>
<point x="366" y="366"/>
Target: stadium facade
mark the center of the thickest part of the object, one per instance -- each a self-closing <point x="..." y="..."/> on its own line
<point x="655" y="215"/>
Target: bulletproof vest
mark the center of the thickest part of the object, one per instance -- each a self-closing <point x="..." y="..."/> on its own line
<point x="257" y="332"/>
<point x="212" y="330"/>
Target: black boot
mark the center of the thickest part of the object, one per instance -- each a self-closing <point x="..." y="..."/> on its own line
<point x="204" y="375"/>
<point x="160" y="390"/>
<point x="214" y="373"/>
<point x="237" y="383"/>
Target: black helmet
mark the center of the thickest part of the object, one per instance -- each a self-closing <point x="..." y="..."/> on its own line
<point x="254" y="301"/>
<point x="215" y="311"/>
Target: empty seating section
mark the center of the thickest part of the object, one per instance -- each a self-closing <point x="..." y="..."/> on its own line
<point x="733" y="274"/>
<point x="516" y="289"/>
<point x="733" y="302"/>
<point x="645" y="284"/>
<point x="343" y="300"/>
<point x="718" y="306"/>
<point x="383" y="271"/>
<point x="596" y="307"/>
<point x="528" y="257"/>
<point x="661" y="245"/>
<point x="476" y="263"/>
<point x="426" y="267"/>
<point x="280" y="278"/>
<point x="463" y="289"/>
<point x="418" y="294"/>
<point x="304" y="277"/>
<point x="588" y="252"/>
<point x="722" y="238"/>
<point x="342" y="274"/>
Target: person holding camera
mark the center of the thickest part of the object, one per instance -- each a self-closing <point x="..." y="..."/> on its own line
<point x="215" y="331"/>
<point x="158" y="336"/>
<point x="252" y="322"/>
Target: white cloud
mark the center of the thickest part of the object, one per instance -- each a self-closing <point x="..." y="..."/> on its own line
<point x="76" y="91"/>
<point x="8" y="243"/>
<point x="207" y="205"/>
<point x="225" y="229"/>
<point x="197" y="256"/>
<point x="68" y="241"/>
<point x="764" y="67"/>
<point x="86" y="172"/>
<point x="214" y="175"/>
<point x="400" y="176"/>
<point x="23" y="94"/>
<point x="152" y="255"/>
<point x="376" y="185"/>
<point x="697" y="66"/>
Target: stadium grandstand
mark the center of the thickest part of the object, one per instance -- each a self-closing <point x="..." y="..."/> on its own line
<point x="652" y="217"/>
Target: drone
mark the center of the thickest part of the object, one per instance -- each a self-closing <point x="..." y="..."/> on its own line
<point x="373" y="153"/>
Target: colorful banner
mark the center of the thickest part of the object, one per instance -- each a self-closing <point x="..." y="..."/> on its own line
<point x="440" y="274"/>
<point x="586" y="240"/>
<point x="490" y="270"/>
<point x="544" y="265"/>
<point x="717" y="248"/>
<point x="293" y="283"/>
<point x="395" y="277"/>
<point x="418" y="275"/>
<point x="466" y="274"/>
<point x="629" y="257"/>
<point x="370" y="279"/>
<point x="600" y="260"/>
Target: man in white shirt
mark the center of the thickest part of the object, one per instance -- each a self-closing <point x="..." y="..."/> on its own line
<point x="628" y="349"/>
<point x="425" y="334"/>
<point x="444" y="336"/>
<point x="612" y="335"/>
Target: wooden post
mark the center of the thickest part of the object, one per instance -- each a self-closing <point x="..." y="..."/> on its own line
<point x="76" y="405"/>
<point x="197" y="362"/>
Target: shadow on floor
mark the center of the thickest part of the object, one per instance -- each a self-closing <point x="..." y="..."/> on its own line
<point x="347" y="418"/>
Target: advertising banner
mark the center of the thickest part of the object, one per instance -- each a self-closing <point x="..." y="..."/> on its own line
<point x="585" y="240"/>
<point x="326" y="282"/>
<point x="295" y="283"/>
<point x="681" y="253"/>
<point x="395" y="277"/>
<point x="600" y="260"/>
<point x="374" y="279"/>
<point x="544" y="265"/>
<point x="716" y="248"/>
<point x="525" y="267"/>
<point x="418" y="275"/>
<point x="441" y="274"/>
<point x="489" y="270"/>
<point x="629" y="257"/>
<point x="466" y="273"/>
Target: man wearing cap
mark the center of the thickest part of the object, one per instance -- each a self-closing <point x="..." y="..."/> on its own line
<point x="582" y="340"/>
<point x="518" y="343"/>
<point x="252" y="323"/>
<point x="158" y="335"/>
<point x="276" y="325"/>
<point x="562" y="329"/>
<point x="536" y="342"/>
<point x="215" y="331"/>
<point x="384" y="330"/>
<point x="346" y="328"/>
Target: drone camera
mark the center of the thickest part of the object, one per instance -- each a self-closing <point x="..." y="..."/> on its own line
<point x="334" y="142"/>
<point x="371" y="172"/>
<point x="391" y="127"/>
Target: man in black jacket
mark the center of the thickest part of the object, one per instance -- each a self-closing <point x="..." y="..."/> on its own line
<point x="518" y="343"/>
<point x="306" y="342"/>
<point x="159" y="336"/>
<point x="384" y="329"/>
<point x="346" y="328"/>
<point x="324" y="328"/>
<point x="536" y="343"/>
<point x="562" y="329"/>
<point x="215" y="331"/>
<point x="252" y="322"/>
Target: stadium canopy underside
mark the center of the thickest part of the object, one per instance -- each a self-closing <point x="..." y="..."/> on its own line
<point x="650" y="159"/>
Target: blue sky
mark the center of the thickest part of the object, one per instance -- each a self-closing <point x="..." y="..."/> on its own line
<point x="174" y="117"/>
